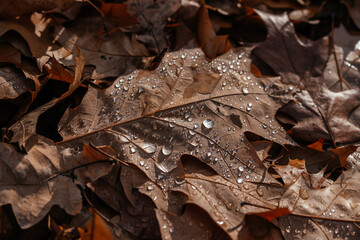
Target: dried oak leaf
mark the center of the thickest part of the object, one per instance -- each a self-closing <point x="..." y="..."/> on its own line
<point x="36" y="181"/>
<point x="110" y="54"/>
<point x="210" y="43"/>
<point x="22" y="186"/>
<point x="136" y="215"/>
<point x="25" y="127"/>
<point x="317" y="211"/>
<point x="294" y="161"/>
<point x="326" y="114"/>
<point x="347" y="49"/>
<point x="152" y="118"/>
<point x="338" y="200"/>
<point x="152" y="17"/>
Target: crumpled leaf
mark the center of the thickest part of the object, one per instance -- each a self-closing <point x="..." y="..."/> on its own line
<point x="112" y="53"/>
<point x="12" y="82"/>
<point x="26" y="126"/>
<point x="152" y="17"/>
<point x="137" y="214"/>
<point x="338" y="200"/>
<point x="326" y="114"/>
<point x="210" y="43"/>
<point x="22" y="186"/>
<point x="347" y="52"/>
<point x="289" y="173"/>
<point x="293" y="59"/>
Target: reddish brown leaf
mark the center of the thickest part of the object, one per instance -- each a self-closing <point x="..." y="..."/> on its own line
<point x="117" y="12"/>
<point x="96" y="228"/>
<point x="211" y="44"/>
<point x="318" y="145"/>
<point x="272" y="214"/>
<point x="58" y="72"/>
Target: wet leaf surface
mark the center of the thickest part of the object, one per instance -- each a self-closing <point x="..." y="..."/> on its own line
<point x="179" y="119"/>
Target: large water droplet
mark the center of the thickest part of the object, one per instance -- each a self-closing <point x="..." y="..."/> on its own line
<point x="208" y="123"/>
<point x="240" y="180"/>
<point x="191" y="132"/>
<point x="132" y="149"/>
<point x="148" y="147"/>
<point x="245" y="91"/>
<point x="166" y="149"/>
<point x="124" y="139"/>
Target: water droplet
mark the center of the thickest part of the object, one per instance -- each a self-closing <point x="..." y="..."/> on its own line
<point x="260" y="192"/>
<point x="288" y="229"/>
<point x="191" y="132"/>
<point x="117" y="85"/>
<point x="196" y="126"/>
<point x="303" y="194"/>
<point x="240" y="180"/>
<point x="132" y="149"/>
<point x="148" y="147"/>
<point x="208" y="154"/>
<point x="264" y="125"/>
<point x="167" y="149"/>
<point x="142" y="163"/>
<point x="123" y="139"/>
<point x="150" y="187"/>
<point x="209" y="124"/>
<point x="245" y="90"/>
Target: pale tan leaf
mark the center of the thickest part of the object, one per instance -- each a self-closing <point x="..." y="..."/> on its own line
<point x="22" y="186"/>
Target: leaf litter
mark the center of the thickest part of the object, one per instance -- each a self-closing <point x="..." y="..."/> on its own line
<point x="202" y="144"/>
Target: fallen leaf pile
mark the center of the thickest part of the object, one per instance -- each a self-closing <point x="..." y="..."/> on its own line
<point x="180" y="119"/>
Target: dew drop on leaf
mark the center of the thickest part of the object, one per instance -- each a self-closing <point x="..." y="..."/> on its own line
<point x="166" y="149"/>
<point x="208" y="123"/>
<point x="132" y="150"/>
<point x="245" y="90"/>
<point x="150" y="187"/>
<point x="148" y="147"/>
